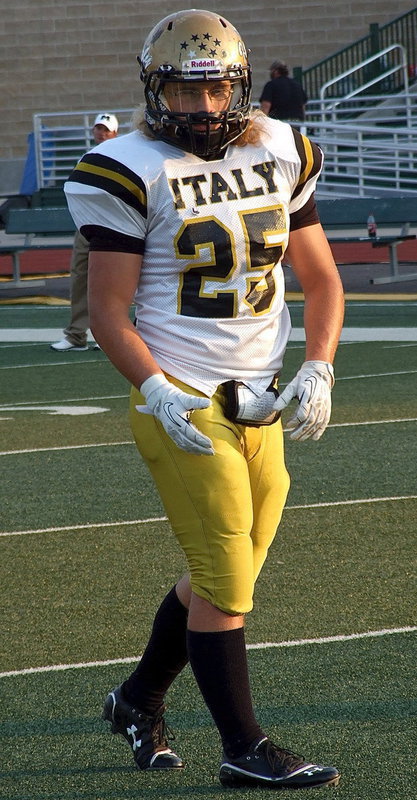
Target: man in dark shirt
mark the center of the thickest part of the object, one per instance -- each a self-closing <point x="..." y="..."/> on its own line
<point x="283" y="97"/>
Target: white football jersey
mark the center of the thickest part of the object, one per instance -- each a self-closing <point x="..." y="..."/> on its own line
<point x="210" y="300"/>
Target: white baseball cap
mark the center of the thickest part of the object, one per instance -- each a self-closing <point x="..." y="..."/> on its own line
<point x="109" y="120"/>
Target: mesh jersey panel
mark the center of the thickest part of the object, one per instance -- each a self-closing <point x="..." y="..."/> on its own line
<point x="210" y="300"/>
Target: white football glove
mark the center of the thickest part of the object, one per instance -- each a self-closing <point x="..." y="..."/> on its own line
<point x="312" y="387"/>
<point x="173" y="408"/>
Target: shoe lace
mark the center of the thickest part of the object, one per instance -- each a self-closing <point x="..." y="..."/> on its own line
<point x="160" y="732"/>
<point x="279" y="758"/>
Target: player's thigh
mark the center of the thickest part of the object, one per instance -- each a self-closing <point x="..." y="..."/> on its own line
<point x="270" y="483"/>
<point x="208" y="502"/>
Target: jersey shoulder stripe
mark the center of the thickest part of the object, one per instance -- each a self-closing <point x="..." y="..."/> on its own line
<point x="111" y="241"/>
<point x="106" y="173"/>
<point x="311" y="159"/>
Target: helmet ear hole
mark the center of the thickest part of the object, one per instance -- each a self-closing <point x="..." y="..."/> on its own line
<point x="196" y="45"/>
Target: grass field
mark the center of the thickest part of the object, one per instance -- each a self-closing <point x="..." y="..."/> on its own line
<point x="87" y="554"/>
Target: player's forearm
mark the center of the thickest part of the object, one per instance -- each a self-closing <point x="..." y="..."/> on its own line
<point x="312" y="261"/>
<point x="112" y="280"/>
<point x="127" y="351"/>
<point x="323" y="320"/>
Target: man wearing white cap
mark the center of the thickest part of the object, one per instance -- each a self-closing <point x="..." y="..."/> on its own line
<point x="105" y="127"/>
<point x="75" y="334"/>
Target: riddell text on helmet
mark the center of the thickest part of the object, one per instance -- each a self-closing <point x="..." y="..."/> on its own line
<point x="205" y="63"/>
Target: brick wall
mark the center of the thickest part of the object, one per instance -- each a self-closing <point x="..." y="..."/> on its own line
<point x="60" y="55"/>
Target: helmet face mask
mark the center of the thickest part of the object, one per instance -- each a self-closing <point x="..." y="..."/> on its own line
<point x="190" y="51"/>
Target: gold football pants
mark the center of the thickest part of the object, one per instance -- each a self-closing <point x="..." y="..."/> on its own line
<point x="224" y="509"/>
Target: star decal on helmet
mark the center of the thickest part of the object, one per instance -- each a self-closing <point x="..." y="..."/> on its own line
<point x="203" y="46"/>
<point x="207" y="36"/>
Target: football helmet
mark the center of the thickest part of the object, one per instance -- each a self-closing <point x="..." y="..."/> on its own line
<point x="189" y="46"/>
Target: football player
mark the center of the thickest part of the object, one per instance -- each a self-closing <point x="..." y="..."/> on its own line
<point x="191" y="214"/>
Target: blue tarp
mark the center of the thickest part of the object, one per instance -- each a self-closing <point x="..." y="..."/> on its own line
<point x="30" y="183"/>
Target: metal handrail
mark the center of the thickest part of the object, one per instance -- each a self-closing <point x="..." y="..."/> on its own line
<point x="403" y="29"/>
<point x="62" y="138"/>
<point x="393" y="109"/>
<point x="402" y="66"/>
<point x="365" y="160"/>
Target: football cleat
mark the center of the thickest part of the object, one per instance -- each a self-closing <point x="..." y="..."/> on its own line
<point x="147" y="735"/>
<point x="270" y="766"/>
<point x="64" y="345"/>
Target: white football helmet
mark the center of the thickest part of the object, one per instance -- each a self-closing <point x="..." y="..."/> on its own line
<point x="196" y="45"/>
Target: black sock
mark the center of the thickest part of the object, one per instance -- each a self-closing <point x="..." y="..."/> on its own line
<point x="164" y="657"/>
<point x="219" y="663"/>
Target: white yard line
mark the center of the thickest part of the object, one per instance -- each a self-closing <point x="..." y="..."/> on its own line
<point x="79" y="362"/>
<point x="66" y="400"/>
<point x="358" y="333"/>
<point x="259" y="646"/>
<point x="37" y="335"/>
<point x="130" y="442"/>
<point x="357" y="501"/>
<point x="376" y="375"/>
<point x="371" y="422"/>
<point x="64" y="447"/>
<point x="85" y="526"/>
<point x="398" y="346"/>
<point x="121" y="523"/>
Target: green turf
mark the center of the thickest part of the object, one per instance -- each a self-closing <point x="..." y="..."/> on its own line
<point x="83" y="374"/>
<point x="334" y="554"/>
<point x="347" y="702"/>
<point x="370" y="313"/>
<point x="362" y="313"/>
<point x="84" y="595"/>
<point x="77" y="486"/>
<point x="35" y="316"/>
